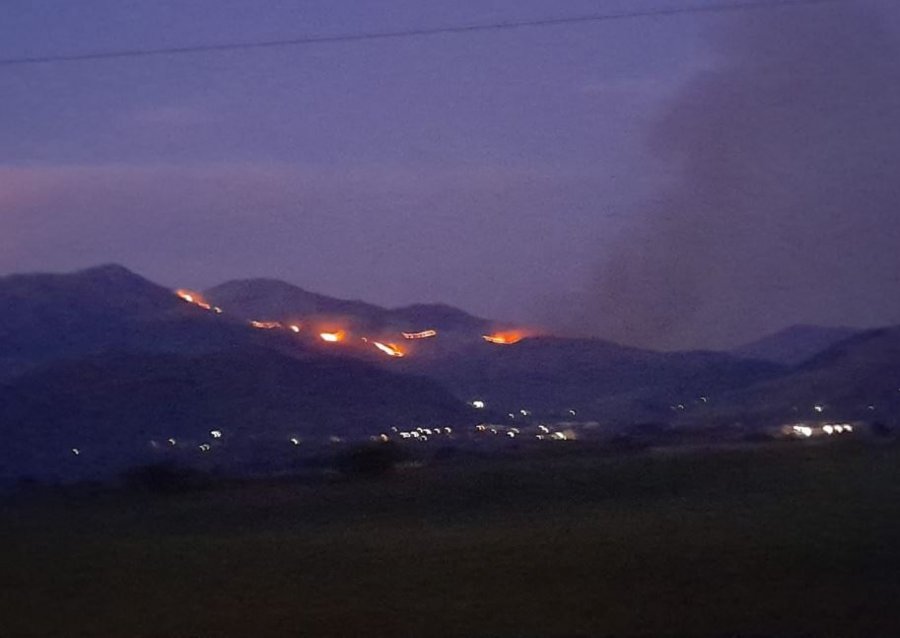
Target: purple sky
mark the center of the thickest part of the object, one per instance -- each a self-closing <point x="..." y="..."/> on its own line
<point x="494" y="171"/>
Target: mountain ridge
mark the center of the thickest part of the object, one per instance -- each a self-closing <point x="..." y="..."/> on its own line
<point x="795" y="344"/>
<point x="90" y="349"/>
<point x="275" y="299"/>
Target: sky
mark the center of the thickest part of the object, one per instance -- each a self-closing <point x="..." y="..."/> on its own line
<point x="643" y="180"/>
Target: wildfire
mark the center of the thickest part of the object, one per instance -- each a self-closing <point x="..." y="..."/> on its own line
<point x="425" y="334"/>
<point x="265" y="325"/>
<point x="196" y="299"/>
<point x="504" y="338"/>
<point x="389" y="349"/>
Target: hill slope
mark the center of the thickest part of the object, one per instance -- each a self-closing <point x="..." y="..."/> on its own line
<point x="105" y="360"/>
<point x="112" y="406"/>
<point x="599" y="379"/>
<point x="858" y="378"/>
<point x="794" y="345"/>
<point x="270" y="299"/>
<point x="546" y="374"/>
<point x="46" y="317"/>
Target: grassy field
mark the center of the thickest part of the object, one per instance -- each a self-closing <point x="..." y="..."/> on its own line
<point x="789" y="539"/>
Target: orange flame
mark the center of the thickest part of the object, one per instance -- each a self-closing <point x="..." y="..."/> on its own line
<point x="332" y="337"/>
<point x="425" y="334"/>
<point x="196" y="298"/>
<point x="389" y="349"/>
<point x="294" y="327"/>
<point x="504" y="338"/>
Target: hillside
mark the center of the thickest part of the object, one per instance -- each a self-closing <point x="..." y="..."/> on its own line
<point x="858" y="378"/>
<point x="103" y="358"/>
<point x="794" y="345"/>
<point x="110" y="407"/>
<point x="598" y="379"/>
<point x="548" y="375"/>
<point x="46" y="317"/>
<point x="270" y="299"/>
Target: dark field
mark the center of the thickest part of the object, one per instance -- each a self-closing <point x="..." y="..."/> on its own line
<point x="787" y="539"/>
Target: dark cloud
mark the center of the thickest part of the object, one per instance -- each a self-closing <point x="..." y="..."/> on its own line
<point x="785" y="203"/>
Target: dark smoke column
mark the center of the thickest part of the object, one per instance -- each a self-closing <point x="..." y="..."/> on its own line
<point x="787" y="206"/>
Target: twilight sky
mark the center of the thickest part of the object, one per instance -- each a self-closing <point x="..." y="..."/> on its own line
<point x="669" y="182"/>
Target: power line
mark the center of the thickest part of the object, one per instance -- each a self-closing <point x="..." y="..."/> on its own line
<point x="410" y="33"/>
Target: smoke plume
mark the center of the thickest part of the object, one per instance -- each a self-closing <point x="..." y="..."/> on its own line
<point x="785" y="206"/>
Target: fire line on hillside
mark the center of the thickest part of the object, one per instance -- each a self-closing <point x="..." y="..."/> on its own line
<point x="337" y="336"/>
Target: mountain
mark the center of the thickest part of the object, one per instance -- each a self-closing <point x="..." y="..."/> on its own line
<point x="794" y="345"/>
<point x="598" y="379"/>
<point x="855" y="379"/>
<point x="104" y="359"/>
<point x="110" y="407"/>
<point x="549" y="375"/>
<point x="439" y="317"/>
<point x="274" y="300"/>
<point x="46" y="317"/>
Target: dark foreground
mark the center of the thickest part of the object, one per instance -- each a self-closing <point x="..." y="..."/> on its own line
<point x="778" y="540"/>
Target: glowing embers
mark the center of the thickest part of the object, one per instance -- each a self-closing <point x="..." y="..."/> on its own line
<point x="425" y="334"/>
<point x="266" y="325"/>
<point x="504" y="338"/>
<point x="196" y="299"/>
<point x="332" y="337"/>
<point x="389" y="349"/>
<point x="275" y="325"/>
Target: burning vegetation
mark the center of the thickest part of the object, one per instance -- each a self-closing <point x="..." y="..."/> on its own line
<point x="197" y="300"/>
<point x="425" y="334"/>
<point x="389" y="349"/>
<point x="266" y="325"/>
<point x="332" y="335"/>
<point x="504" y="338"/>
